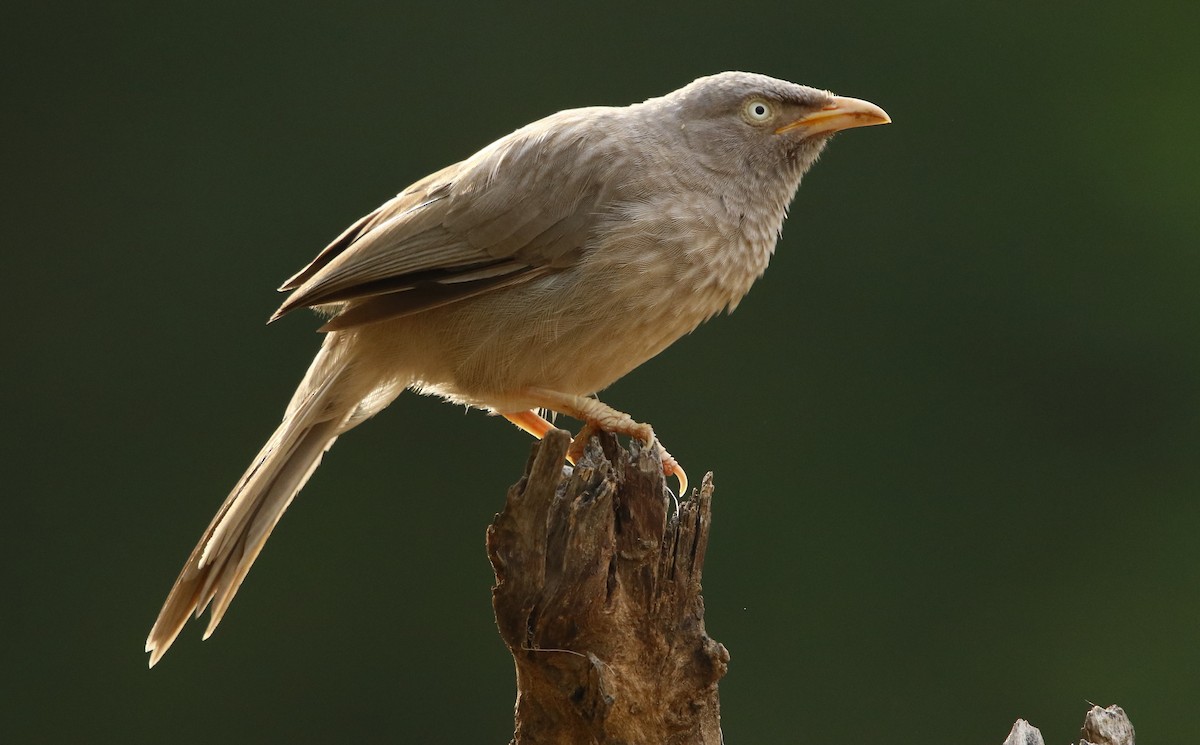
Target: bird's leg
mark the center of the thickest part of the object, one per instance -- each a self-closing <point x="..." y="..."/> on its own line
<point x="536" y="425"/>
<point x="595" y="415"/>
<point x="532" y="422"/>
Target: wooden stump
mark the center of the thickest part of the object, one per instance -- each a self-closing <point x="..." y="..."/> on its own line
<point x="598" y="598"/>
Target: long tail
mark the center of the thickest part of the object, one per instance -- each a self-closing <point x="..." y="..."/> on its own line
<point x="328" y="402"/>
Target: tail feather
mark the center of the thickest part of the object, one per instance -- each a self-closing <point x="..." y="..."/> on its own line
<point x="292" y="477"/>
<point x="217" y="565"/>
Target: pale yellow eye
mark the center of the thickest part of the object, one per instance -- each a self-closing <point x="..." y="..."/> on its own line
<point x="758" y="111"/>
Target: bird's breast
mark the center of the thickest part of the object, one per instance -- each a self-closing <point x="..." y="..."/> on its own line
<point x="704" y="249"/>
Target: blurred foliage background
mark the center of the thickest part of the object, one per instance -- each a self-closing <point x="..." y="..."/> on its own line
<point x="955" y="429"/>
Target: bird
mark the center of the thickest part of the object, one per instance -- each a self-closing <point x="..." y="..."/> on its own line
<point x="527" y="278"/>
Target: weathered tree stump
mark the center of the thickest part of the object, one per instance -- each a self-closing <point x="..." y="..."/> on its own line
<point x="598" y="598"/>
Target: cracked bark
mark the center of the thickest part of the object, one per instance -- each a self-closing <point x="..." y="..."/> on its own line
<point x="597" y="596"/>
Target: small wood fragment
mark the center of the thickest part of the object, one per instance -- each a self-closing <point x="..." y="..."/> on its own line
<point x="1108" y="726"/>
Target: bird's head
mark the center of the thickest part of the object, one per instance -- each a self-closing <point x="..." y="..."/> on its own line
<point x="743" y="120"/>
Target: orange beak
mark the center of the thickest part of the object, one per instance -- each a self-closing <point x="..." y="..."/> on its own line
<point x="841" y="113"/>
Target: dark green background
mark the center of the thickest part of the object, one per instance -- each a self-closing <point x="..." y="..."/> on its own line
<point x="955" y="429"/>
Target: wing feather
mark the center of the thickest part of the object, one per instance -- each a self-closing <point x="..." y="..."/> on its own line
<point x="423" y="297"/>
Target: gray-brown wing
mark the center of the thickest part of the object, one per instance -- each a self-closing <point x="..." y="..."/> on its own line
<point x="519" y="208"/>
<point x="431" y="187"/>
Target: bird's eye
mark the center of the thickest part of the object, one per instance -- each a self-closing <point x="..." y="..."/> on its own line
<point x="758" y="111"/>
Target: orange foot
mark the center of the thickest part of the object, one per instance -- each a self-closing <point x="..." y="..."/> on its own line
<point x="598" y="416"/>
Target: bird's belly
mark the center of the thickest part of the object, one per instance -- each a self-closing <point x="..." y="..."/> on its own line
<point x="579" y="346"/>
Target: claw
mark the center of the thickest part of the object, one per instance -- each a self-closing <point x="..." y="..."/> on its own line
<point x="671" y="468"/>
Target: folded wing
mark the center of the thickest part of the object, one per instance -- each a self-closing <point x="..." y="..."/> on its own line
<point x="523" y="207"/>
